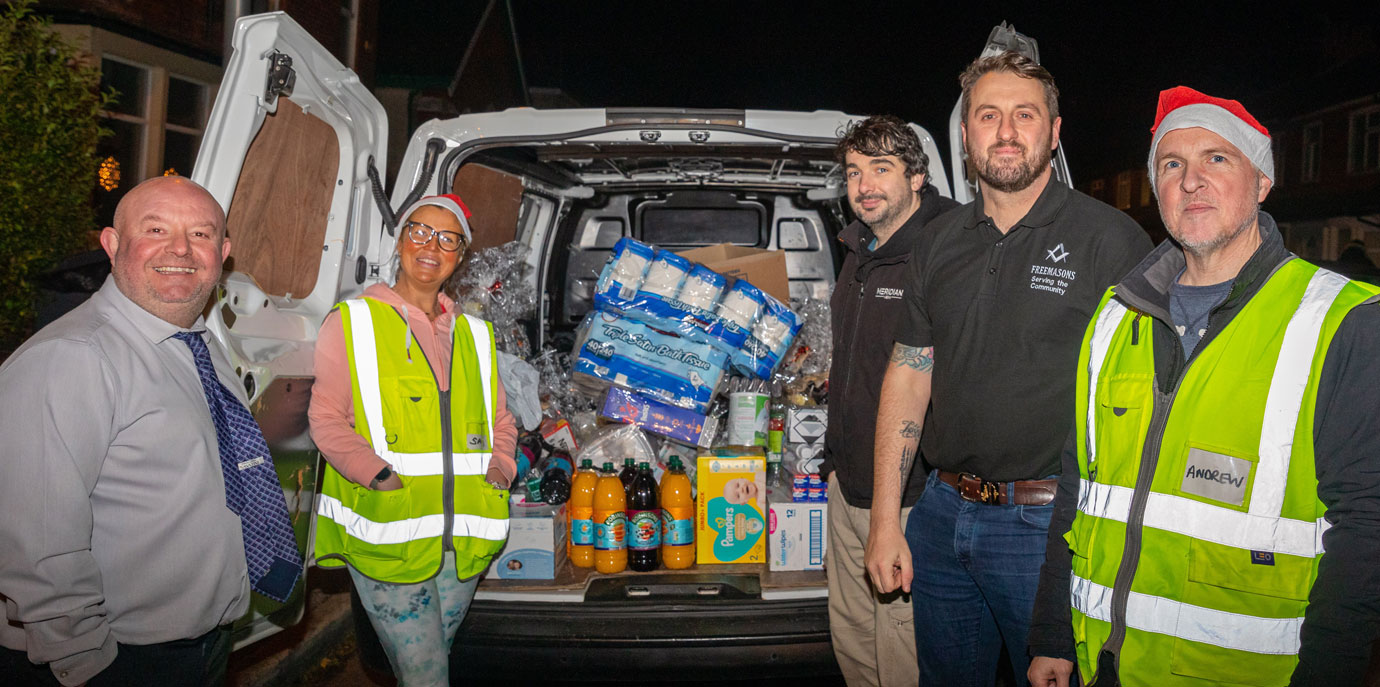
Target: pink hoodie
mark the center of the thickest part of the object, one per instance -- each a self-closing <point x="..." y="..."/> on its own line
<point x="332" y="412"/>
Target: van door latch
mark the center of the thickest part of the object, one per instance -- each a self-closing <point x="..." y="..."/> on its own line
<point x="281" y="78"/>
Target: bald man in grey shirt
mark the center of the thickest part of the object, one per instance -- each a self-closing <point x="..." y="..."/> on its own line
<point x="117" y="549"/>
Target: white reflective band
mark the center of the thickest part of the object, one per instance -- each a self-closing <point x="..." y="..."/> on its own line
<point x="1147" y="613"/>
<point x="478" y="527"/>
<point x="425" y="464"/>
<point x="412" y="529"/>
<point x="1107" y="323"/>
<point x="483" y="346"/>
<point x="1287" y="387"/>
<point x="367" y="371"/>
<point x="379" y="533"/>
<point x="1205" y="521"/>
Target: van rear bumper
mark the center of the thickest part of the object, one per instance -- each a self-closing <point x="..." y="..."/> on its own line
<point x="731" y="640"/>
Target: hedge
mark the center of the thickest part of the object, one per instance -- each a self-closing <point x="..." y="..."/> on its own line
<point x="50" y="107"/>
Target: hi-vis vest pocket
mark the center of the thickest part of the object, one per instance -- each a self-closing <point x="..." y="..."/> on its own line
<point x="1251" y="602"/>
<point x="417" y="404"/>
<point x="377" y="511"/>
<point x="1122" y="414"/>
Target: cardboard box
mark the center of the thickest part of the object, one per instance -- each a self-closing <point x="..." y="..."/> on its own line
<point x="799" y="535"/>
<point x="730" y="519"/>
<point x="680" y="424"/>
<point x="765" y="269"/>
<point x="536" y="543"/>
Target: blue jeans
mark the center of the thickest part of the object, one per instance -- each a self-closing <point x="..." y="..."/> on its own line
<point x="976" y="570"/>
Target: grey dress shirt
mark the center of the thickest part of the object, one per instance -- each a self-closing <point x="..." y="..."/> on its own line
<point x="113" y="523"/>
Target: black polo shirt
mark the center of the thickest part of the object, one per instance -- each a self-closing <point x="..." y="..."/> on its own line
<point x="1006" y="315"/>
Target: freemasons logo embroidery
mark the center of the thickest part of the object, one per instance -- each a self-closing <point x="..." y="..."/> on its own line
<point x="1057" y="253"/>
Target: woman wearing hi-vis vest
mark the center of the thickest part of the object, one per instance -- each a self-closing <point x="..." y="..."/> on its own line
<point x="411" y="417"/>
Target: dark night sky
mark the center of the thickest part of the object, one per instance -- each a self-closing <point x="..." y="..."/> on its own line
<point x="904" y="58"/>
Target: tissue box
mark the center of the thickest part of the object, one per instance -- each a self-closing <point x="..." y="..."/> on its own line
<point x="680" y="424"/>
<point x="536" y="543"/>
<point x="730" y="522"/>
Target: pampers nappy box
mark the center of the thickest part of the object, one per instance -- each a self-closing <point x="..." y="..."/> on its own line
<point x="536" y="543"/>
<point x="798" y="533"/>
<point x="730" y="506"/>
<point x="616" y="350"/>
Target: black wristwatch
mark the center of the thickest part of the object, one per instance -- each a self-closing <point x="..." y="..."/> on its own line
<point x="384" y="474"/>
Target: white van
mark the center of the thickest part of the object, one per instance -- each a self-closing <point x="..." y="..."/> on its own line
<point x="292" y="150"/>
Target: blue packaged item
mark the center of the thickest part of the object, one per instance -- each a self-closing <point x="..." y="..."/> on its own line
<point x="702" y="288"/>
<point x="665" y="277"/>
<point x="771" y="336"/>
<point x="616" y="350"/>
<point x="742" y="304"/>
<point x="623" y="273"/>
<point x="681" y="297"/>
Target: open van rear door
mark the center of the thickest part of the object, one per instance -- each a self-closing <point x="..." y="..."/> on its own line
<point x="287" y="152"/>
<point x="1004" y="37"/>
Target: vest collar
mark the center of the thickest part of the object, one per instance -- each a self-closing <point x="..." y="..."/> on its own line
<point x="1146" y="288"/>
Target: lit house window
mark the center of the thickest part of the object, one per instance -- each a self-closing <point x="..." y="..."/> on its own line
<point x="186" y="116"/>
<point x="122" y="153"/>
<point x="1365" y="142"/>
<point x="1311" y="149"/>
<point x="1123" y="190"/>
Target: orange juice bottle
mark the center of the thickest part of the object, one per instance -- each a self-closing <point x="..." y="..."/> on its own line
<point x="610" y="523"/>
<point x="677" y="518"/>
<point x="580" y="544"/>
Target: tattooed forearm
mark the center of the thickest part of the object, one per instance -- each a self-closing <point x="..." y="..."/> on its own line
<point x="918" y="358"/>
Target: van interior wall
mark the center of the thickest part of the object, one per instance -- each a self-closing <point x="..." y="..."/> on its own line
<point x="494" y="199"/>
<point x="278" y="215"/>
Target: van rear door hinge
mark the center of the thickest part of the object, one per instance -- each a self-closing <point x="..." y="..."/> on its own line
<point x="281" y="78"/>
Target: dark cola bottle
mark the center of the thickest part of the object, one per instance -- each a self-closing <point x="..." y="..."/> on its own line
<point x="644" y="521"/>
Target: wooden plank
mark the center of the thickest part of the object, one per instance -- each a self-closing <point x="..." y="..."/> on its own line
<point x="278" y="215"/>
<point x="494" y="199"/>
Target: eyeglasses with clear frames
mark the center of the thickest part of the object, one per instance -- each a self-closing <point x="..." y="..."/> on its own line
<point x="447" y="241"/>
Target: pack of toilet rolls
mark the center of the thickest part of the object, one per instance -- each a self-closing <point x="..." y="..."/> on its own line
<point x="672" y="294"/>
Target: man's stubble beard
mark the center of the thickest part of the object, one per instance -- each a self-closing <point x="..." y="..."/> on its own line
<point x="1017" y="177"/>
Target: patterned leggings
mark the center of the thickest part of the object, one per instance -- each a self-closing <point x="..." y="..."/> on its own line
<point x="416" y="623"/>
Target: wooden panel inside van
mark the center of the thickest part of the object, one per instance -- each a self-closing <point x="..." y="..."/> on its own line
<point x="494" y="199"/>
<point x="278" y="216"/>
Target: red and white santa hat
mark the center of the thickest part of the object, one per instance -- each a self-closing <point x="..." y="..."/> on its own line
<point x="1184" y="108"/>
<point x="448" y="201"/>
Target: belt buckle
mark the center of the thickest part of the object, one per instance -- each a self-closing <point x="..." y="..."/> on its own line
<point x="978" y="490"/>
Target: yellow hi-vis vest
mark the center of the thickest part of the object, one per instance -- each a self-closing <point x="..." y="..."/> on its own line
<point x="1199" y="528"/>
<point x="438" y="442"/>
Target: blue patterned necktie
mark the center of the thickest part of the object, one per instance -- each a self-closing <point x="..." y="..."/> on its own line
<point x="252" y="490"/>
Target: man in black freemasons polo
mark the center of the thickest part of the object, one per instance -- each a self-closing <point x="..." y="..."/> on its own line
<point x="1005" y="314"/>
<point x="998" y="296"/>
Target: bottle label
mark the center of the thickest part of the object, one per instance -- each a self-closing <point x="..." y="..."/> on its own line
<point x="611" y="533"/>
<point x="582" y="526"/>
<point x="646" y="529"/>
<point x="676" y="531"/>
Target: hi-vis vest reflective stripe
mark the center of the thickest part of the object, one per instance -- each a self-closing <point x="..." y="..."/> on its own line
<point x="439" y="443"/>
<point x="1226" y="521"/>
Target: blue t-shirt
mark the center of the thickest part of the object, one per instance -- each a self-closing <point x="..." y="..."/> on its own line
<point x="1189" y="307"/>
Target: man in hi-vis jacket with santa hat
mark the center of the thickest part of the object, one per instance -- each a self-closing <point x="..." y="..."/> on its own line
<point x="1218" y="518"/>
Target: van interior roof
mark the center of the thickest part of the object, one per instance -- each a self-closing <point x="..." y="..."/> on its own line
<point x="604" y="164"/>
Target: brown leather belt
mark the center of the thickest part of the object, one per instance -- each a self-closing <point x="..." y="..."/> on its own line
<point x="1034" y="492"/>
